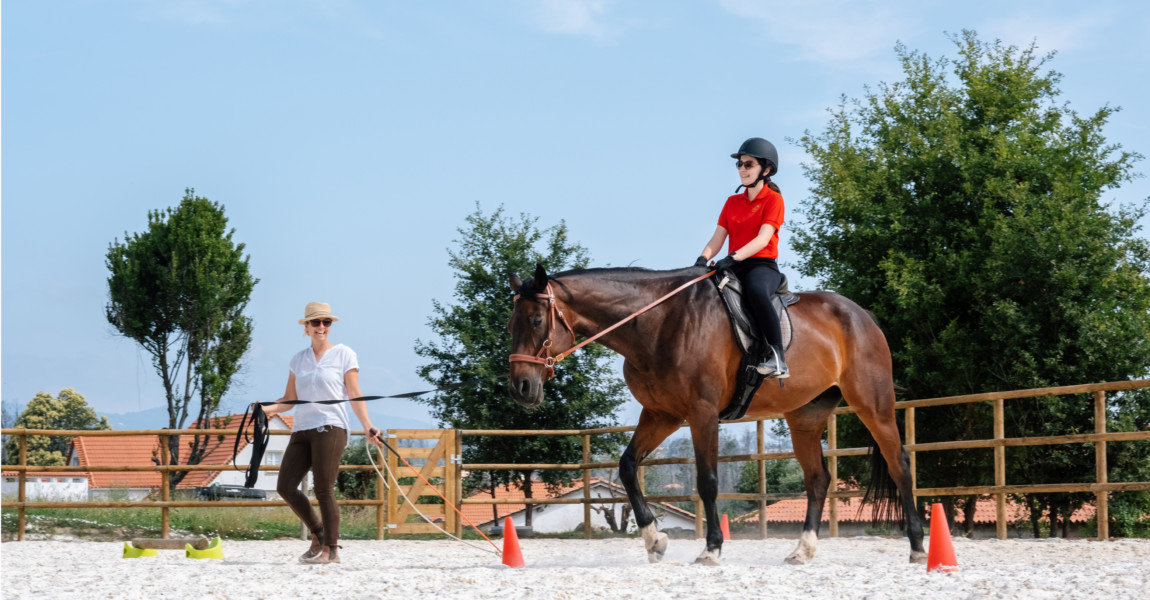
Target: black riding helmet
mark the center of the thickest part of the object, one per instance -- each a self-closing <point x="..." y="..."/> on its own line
<point x="762" y="150"/>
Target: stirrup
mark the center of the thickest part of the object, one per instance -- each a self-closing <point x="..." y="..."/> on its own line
<point x="768" y="370"/>
<point x="774" y="367"/>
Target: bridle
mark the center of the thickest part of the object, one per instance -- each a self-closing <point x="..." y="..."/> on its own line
<point x="543" y="356"/>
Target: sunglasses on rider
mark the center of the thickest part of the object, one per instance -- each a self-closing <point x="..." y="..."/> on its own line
<point x="745" y="164"/>
<point x="318" y="322"/>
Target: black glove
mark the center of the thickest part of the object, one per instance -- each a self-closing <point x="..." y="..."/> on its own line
<point x="726" y="262"/>
<point x="700" y="262"/>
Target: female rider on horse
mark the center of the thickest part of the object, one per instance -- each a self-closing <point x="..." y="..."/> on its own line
<point x="752" y="220"/>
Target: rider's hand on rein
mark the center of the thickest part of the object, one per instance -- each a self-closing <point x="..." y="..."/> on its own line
<point x="726" y="262"/>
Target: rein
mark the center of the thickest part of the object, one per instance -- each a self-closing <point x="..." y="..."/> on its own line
<point x="260" y="435"/>
<point x="543" y="357"/>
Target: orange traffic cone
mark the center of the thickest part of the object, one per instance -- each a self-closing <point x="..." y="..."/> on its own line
<point x="725" y="528"/>
<point x="512" y="557"/>
<point x="941" y="554"/>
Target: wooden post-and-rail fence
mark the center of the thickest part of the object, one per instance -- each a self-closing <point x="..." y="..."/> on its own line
<point x="450" y="485"/>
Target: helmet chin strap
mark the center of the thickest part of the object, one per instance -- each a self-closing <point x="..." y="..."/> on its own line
<point x="766" y="178"/>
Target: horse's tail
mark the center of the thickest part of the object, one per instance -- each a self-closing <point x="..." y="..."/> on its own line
<point x="882" y="493"/>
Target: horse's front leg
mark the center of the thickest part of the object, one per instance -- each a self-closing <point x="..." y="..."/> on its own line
<point x="808" y="449"/>
<point x="650" y="432"/>
<point x="705" y="437"/>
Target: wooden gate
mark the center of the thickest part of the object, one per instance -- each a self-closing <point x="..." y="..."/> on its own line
<point x="441" y="465"/>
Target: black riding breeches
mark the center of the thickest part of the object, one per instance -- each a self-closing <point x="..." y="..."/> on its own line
<point x="761" y="278"/>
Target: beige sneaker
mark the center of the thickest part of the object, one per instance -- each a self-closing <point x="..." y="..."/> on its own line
<point x="327" y="555"/>
<point x="316" y="545"/>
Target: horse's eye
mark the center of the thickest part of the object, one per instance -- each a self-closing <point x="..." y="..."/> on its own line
<point x="537" y="322"/>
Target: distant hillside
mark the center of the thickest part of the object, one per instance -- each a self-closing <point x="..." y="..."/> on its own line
<point x="152" y="418"/>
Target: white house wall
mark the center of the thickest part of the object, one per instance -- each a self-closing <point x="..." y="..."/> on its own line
<point x="47" y="489"/>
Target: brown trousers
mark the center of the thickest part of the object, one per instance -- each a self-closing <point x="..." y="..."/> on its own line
<point x="319" y="452"/>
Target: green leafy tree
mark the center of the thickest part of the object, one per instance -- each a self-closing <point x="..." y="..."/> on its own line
<point x="67" y="411"/>
<point x="473" y="345"/>
<point x="10" y="413"/>
<point x="358" y="485"/>
<point x="783" y="477"/>
<point x="179" y="290"/>
<point x="1129" y="461"/>
<point x="966" y="206"/>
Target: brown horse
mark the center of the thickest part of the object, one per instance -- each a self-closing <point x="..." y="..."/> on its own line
<point x="680" y="363"/>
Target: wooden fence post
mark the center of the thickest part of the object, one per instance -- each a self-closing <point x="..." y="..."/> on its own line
<point x="380" y="495"/>
<point x="833" y="444"/>
<point x="1102" y="498"/>
<point x="908" y="422"/>
<point x="587" y="488"/>
<point x="760" y="448"/>
<point x="165" y="487"/>
<point x="20" y="494"/>
<point x="1000" y="468"/>
<point x="458" y="434"/>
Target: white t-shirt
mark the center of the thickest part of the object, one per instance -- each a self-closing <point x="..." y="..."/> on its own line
<point x="322" y="381"/>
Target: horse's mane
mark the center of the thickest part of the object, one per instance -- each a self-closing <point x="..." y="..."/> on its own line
<point x="629" y="273"/>
<point x="615" y="274"/>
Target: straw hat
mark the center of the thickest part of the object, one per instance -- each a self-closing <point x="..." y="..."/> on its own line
<point x="317" y="310"/>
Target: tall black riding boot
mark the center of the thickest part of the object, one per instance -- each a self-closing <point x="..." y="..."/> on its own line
<point x="776" y="365"/>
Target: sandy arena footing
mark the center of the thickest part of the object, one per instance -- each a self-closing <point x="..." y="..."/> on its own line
<point x="864" y="567"/>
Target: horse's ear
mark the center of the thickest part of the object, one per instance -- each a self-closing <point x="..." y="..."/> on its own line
<point x="540" y="277"/>
<point x="515" y="282"/>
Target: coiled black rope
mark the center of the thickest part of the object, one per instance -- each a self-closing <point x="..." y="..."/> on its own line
<point x="258" y="440"/>
<point x="259" y="422"/>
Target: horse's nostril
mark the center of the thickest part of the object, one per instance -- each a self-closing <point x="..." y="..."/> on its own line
<point x="524" y="387"/>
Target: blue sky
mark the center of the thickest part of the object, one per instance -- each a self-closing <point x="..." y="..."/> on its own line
<point x="349" y="140"/>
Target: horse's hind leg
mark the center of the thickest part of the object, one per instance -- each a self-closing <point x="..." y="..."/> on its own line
<point x="879" y="419"/>
<point x="652" y="429"/>
<point x="807" y="424"/>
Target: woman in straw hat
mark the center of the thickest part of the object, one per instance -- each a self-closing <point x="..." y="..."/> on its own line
<point x="323" y="371"/>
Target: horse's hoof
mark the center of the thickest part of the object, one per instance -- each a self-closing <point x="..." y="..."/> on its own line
<point x="918" y="558"/>
<point x="808" y="541"/>
<point x="795" y="559"/>
<point x="709" y="558"/>
<point x="658" y="550"/>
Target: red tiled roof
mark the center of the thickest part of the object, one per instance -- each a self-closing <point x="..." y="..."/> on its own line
<point x="481" y="513"/>
<point x="130" y="451"/>
<point x="985" y="511"/>
<point x="794" y="510"/>
<point x="139" y="450"/>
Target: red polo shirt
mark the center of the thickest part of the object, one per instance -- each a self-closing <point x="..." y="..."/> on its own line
<point x="742" y="218"/>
